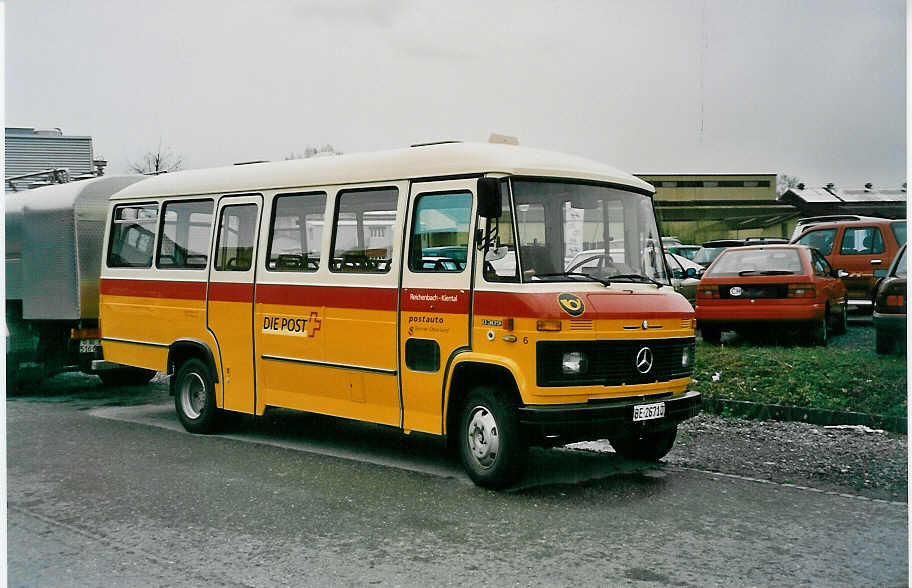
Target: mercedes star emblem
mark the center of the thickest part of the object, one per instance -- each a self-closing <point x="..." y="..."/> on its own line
<point x="644" y="360"/>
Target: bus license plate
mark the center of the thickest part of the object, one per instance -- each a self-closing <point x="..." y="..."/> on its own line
<point x="645" y="412"/>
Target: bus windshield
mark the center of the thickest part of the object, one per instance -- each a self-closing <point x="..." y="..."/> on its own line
<point x="580" y="232"/>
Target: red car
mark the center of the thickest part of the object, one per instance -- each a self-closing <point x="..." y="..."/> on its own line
<point x="771" y="286"/>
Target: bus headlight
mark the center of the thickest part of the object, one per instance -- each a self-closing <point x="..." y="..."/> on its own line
<point x="685" y="357"/>
<point x="574" y="362"/>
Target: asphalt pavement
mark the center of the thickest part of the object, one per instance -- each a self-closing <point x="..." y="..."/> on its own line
<point x="108" y="490"/>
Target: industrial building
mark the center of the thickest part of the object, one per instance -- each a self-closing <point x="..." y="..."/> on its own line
<point x="699" y="207"/>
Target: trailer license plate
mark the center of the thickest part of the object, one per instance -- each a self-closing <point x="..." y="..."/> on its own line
<point x="646" y="412"/>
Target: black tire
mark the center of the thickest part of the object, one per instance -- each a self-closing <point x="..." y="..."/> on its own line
<point x="126" y="377"/>
<point x="820" y="331"/>
<point x="491" y="446"/>
<point x="194" y="398"/>
<point x="711" y="333"/>
<point x="645" y="445"/>
<point x="842" y="322"/>
<point x="883" y="342"/>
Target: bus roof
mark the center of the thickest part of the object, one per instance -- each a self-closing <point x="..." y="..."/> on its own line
<point x="437" y="160"/>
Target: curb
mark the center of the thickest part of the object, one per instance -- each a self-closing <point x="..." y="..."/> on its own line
<point x="815" y="416"/>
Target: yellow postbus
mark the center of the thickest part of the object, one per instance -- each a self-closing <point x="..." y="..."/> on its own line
<point x="494" y="295"/>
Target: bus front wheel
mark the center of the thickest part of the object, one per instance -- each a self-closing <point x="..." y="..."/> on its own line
<point x="194" y="397"/>
<point x="491" y="445"/>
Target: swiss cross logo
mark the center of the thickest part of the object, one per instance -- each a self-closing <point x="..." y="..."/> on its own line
<point x="313" y="324"/>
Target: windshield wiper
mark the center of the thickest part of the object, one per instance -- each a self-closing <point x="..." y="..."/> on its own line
<point x="568" y="274"/>
<point x="765" y="273"/>
<point x="637" y="277"/>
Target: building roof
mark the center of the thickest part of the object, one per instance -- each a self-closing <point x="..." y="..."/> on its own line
<point x="870" y="201"/>
<point x="435" y="160"/>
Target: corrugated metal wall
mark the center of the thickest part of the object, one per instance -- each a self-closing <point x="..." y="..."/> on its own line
<point x="33" y="153"/>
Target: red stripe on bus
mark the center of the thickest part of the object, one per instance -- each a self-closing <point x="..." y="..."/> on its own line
<point x="613" y="305"/>
<point x="331" y="296"/>
<point x="154" y="289"/>
<point x="230" y="292"/>
<point x="435" y="300"/>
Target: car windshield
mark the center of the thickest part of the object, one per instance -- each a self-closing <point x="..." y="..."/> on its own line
<point x="757" y="262"/>
<point x="900" y="270"/>
<point x="581" y="232"/>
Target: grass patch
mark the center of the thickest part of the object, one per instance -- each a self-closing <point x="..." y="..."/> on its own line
<point x="814" y="377"/>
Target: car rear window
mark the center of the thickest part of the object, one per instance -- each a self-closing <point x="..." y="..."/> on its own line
<point x="757" y="262"/>
<point x="899" y="231"/>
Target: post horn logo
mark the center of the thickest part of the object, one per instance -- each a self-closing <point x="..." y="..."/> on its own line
<point x="571" y="304"/>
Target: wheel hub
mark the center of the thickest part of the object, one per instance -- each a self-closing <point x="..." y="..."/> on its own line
<point x="483" y="436"/>
<point x="193" y="395"/>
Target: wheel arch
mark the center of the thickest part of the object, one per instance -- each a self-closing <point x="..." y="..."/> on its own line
<point x="184" y="349"/>
<point x="469" y="372"/>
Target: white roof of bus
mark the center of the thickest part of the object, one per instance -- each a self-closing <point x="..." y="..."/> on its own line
<point x="427" y="161"/>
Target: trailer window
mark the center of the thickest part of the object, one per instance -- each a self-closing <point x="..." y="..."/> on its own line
<point x="363" y="231"/>
<point x="296" y="233"/>
<point x="186" y="228"/>
<point x="132" y="235"/>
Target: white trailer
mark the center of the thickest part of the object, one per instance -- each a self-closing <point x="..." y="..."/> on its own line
<point x="53" y="262"/>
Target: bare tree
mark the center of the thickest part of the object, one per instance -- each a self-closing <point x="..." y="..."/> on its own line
<point x="785" y="182"/>
<point x="314" y="151"/>
<point x="159" y="161"/>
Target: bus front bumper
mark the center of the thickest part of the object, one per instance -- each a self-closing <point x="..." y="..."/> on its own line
<point x="568" y="423"/>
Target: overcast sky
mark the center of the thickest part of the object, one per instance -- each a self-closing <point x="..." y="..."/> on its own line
<point x="815" y="89"/>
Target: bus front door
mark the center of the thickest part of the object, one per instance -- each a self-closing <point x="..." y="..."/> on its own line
<point x="436" y="295"/>
<point x="230" y="299"/>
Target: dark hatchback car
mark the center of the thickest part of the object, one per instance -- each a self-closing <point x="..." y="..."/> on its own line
<point x="890" y="307"/>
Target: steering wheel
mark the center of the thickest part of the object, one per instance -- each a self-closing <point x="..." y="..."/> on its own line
<point x="603" y="260"/>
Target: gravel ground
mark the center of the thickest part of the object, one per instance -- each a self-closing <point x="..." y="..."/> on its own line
<point x="853" y="460"/>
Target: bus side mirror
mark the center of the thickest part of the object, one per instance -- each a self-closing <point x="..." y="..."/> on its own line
<point x="489" y="199"/>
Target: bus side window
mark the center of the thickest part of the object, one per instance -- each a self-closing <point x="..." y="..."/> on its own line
<point x="132" y="235"/>
<point x="237" y="227"/>
<point x="363" y="231"/>
<point x="296" y="232"/>
<point x="440" y="232"/>
<point x="186" y="228"/>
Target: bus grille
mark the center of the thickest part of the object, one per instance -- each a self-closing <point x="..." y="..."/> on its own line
<point x="614" y="363"/>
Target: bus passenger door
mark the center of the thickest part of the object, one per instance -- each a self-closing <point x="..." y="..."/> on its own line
<point x="230" y="298"/>
<point x="435" y="300"/>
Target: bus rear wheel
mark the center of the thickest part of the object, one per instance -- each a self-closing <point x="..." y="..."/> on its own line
<point x="194" y="397"/>
<point x="645" y="445"/>
<point x="491" y="446"/>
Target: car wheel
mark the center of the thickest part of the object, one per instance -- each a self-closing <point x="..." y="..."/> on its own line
<point x="710" y="333"/>
<point x="820" y="331"/>
<point x="645" y="445"/>
<point x="491" y="446"/>
<point x="126" y="376"/>
<point x="194" y="397"/>
<point x="842" y="322"/>
<point x="883" y="343"/>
